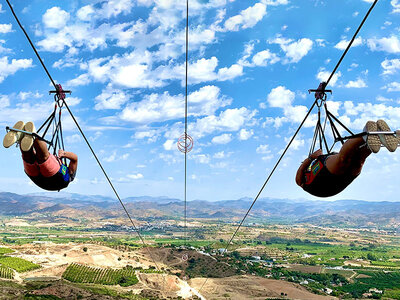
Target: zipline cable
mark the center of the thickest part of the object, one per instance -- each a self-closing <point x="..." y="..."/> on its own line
<point x="84" y="136"/>
<point x="295" y="134"/>
<point x="351" y="41"/>
<point x="186" y="116"/>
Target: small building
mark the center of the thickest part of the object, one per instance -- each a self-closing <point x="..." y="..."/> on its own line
<point x="375" y="290"/>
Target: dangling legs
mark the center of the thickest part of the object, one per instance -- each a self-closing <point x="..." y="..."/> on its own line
<point x="42" y="154"/>
<point x="350" y="159"/>
<point x="28" y="156"/>
<point x="31" y="166"/>
<point x="354" y="152"/>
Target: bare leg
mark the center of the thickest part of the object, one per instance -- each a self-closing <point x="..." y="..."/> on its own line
<point x="28" y="156"/>
<point x="350" y="159"/>
<point x="42" y="154"/>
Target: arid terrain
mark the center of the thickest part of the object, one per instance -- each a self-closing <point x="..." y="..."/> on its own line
<point x="86" y="249"/>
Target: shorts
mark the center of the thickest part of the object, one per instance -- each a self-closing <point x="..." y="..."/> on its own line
<point x="47" y="169"/>
<point x="326" y="184"/>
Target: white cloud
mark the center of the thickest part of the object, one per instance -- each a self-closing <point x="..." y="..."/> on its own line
<point x="230" y="73"/>
<point x="55" y="17"/>
<point x="7" y="69"/>
<point x="245" y="134"/>
<point x="169" y="145"/>
<point x="5" y="28"/>
<point x="85" y="13"/>
<point x="283" y="98"/>
<point x="390" y="66"/>
<point x="275" y="2"/>
<point x="383" y="99"/>
<point x="263" y="149"/>
<point x="294" y="50"/>
<point x="111" y="98"/>
<point x="135" y="176"/>
<point x="323" y="75"/>
<point x="280" y="97"/>
<point x="4" y="101"/>
<point x="203" y="70"/>
<point x="25" y="111"/>
<point x="396" y="6"/>
<point x="202" y="158"/>
<point x="151" y="135"/>
<point x="228" y="120"/>
<point x="219" y="155"/>
<point x="222" y="139"/>
<point x="29" y="95"/>
<point x="389" y="45"/>
<point x="107" y="10"/>
<point x="3" y="49"/>
<point x="73" y="139"/>
<point x="247" y="18"/>
<point x="73" y="101"/>
<point x="369" y="111"/>
<point x="296" y="144"/>
<point x="111" y="158"/>
<point x="163" y="107"/>
<point x="392" y="87"/>
<point x="264" y="58"/>
<point x="359" y="83"/>
<point x="342" y="45"/>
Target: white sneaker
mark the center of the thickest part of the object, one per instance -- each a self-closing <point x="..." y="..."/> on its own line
<point x="13" y="137"/>
<point x="27" y="140"/>
<point x="388" y="140"/>
<point x="373" y="141"/>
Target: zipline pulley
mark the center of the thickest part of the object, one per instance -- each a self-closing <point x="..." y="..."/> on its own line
<point x="59" y="95"/>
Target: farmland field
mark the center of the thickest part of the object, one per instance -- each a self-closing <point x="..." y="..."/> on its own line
<point x="18" y="264"/>
<point x="105" y="276"/>
<point x="6" y="272"/>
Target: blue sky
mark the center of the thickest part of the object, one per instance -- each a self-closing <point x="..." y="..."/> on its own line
<point x="250" y="66"/>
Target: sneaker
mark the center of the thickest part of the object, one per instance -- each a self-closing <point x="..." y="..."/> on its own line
<point x="13" y="137"/>
<point x="388" y="140"/>
<point x="373" y="141"/>
<point x="27" y="140"/>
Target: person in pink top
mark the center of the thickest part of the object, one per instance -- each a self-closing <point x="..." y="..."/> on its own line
<point x="45" y="169"/>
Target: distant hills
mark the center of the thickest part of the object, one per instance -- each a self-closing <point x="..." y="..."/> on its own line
<point x="327" y="213"/>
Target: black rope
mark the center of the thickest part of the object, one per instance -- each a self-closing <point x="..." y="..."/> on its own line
<point x="186" y="116"/>
<point x="295" y="134"/>
<point x="83" y="135"/>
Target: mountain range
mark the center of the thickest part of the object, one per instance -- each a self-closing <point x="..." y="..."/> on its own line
<point x="335" y="213"/>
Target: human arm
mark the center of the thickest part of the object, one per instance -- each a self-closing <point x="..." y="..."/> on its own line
<point x="73" y="160"/>
<point x="304" y="165"/>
